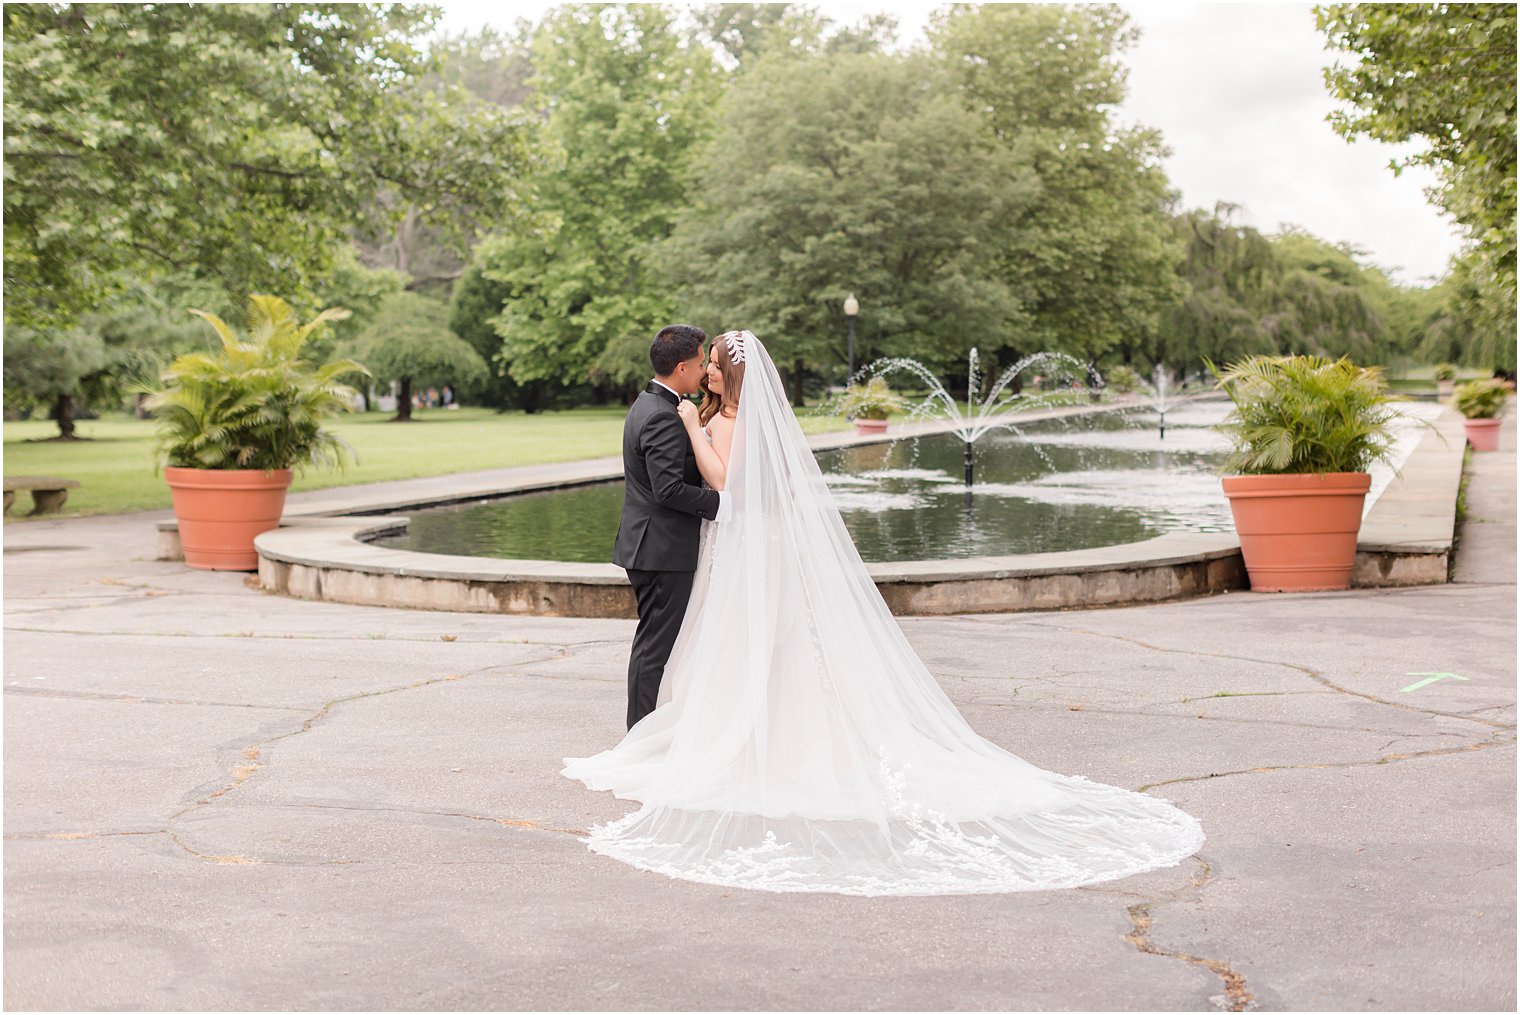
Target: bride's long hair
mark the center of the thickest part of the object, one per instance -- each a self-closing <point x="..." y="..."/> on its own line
<point x="733" y="380"/>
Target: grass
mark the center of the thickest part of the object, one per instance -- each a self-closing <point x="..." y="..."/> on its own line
<point x="115" y="466"/>
<point x="1456" y="532"/>
<point x="1422" y="377"/>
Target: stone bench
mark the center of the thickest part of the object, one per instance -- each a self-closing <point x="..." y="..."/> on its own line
<point x="48" y="492"/>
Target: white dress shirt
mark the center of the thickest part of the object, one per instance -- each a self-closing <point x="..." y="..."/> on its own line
<point x="724" y="509"/>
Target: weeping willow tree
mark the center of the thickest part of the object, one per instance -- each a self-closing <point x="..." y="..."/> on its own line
<point x="1251" y="294"/>
<point x="1228" y="270"/>
<point x="1324" y="304"/>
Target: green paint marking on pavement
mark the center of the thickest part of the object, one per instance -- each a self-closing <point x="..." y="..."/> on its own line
<point x="1430" y="678"/>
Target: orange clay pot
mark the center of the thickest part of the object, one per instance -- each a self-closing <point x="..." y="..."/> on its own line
<point x="221" y="510"/>
<point x="1482" y="434"/>
<point x="1298" y="532"/>
<point x="870" y="425"/>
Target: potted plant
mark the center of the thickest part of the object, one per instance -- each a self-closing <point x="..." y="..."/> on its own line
<point x="1123" y="380"/>
<point x="1445" y="375"/>
<point x="1304" y="430"/>
<point x="1481" y="403"/>
<point x="234" y="423"/>
<point x="870" y="404"/>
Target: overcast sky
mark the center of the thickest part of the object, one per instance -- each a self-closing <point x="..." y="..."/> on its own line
<point x="1237" y="91"/>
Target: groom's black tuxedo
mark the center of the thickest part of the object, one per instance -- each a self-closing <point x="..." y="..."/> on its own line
<point x="663" y="508"/>
<point x="663" y="500"/>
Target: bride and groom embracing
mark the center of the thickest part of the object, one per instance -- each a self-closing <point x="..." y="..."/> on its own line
<point x="782" y="733"/>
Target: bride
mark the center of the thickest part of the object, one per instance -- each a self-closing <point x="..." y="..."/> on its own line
<point x="798" y="743"/>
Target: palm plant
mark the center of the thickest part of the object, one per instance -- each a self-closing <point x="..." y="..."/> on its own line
<point x="872" y="400"/>
<point x="1481" y="399"/>
<point x="1305" y="414"/>
<point x="255" y="403"/>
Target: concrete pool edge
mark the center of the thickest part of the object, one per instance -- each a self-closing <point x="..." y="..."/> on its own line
<point x="1406" y="539"/>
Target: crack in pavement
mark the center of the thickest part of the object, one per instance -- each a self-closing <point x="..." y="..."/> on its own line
<point x="48" y="836"/>
<point x="1385" y="759"/>
<point x="238" y="858"/>
<point x="1055" y="706"/>
<point x="1308" y="671"/>
<point x="254" y="751"/>
<point x="220" y="858"/>
<point x="1235" y="997"/>
<point x="249" y="635"/>
<point x="509" y="822"/>
<point x="45" y="692"/>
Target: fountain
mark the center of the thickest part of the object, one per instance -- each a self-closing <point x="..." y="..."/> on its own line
<point x="1160" y="385"/>
<point x="992" y="411"/>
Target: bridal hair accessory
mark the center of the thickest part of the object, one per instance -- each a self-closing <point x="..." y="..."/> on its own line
<point x="735" y="341"/>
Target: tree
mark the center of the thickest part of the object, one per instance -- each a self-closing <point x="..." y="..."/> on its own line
<point x="1445" y="74"/>
<point x="1326" y="303"/>
<point x="1228" y="270"/>
<point x="1247" y="294"/>
<point x="361" y="290"/>
<point x="409" y="341"/>
<point x="852" y="173"/>
<point x="483" y="70"/>
<point x="53" y="369"/>
<point x="233" y="142"/>
<point x="1093" y="252"/>
<point x="626" y="104"/>
<point x="476" y="303"/>
<point x="93" y="365"/>
<point x="493" y="66"/>
<point x="742" y="33"/>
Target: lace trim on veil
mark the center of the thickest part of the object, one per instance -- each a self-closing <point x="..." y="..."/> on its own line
<point x="935" y="856"/>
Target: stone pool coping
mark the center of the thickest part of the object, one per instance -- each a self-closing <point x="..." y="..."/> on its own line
<point x="320" y="552"/>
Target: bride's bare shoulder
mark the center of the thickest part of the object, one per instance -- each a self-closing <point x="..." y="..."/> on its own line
<point x="721" y="431"/>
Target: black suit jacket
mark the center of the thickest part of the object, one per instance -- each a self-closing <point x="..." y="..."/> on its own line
<point x="663" y="499"/>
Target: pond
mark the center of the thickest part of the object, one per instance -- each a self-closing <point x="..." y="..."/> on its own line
<point x="1058" y="484"/>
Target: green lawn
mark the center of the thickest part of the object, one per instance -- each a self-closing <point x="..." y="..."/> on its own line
<point x="115" y="466"/>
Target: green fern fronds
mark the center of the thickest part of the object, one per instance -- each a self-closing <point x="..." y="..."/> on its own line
<point x="255" y="404"/>
<point x="1305" y="414"/>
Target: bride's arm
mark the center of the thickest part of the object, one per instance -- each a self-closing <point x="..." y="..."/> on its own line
<point x="712" y="459"/>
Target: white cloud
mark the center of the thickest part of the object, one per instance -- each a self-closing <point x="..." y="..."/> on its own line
<point x="1238" y="92"/>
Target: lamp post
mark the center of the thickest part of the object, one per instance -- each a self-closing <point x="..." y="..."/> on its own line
<point x="851" y="308"/>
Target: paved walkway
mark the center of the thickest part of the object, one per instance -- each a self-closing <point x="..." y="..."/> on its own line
<point x="217" y="798"/>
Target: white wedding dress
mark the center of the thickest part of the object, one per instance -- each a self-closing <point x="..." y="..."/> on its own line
<point x="799" y="743"/>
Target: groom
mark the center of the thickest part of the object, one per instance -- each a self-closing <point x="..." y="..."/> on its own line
<point x="663" y="505"/>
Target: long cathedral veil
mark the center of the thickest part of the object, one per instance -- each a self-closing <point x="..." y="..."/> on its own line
<point x="802" y="745"/>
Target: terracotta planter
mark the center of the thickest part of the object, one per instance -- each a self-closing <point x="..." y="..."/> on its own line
<point x="870" y="426"/>
<point x="1298" y="532"/>
<point x="1444" y="389"/>
<point x="221" y="510"/>
<point x="1482" y="434"/>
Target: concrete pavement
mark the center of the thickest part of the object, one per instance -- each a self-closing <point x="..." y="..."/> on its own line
<point x="218" y="798"/>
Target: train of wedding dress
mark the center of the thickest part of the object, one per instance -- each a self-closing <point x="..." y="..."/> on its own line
<point x="800" y="744"/>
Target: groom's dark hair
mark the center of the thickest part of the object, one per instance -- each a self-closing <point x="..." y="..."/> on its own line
<point x="675" y="344"/>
